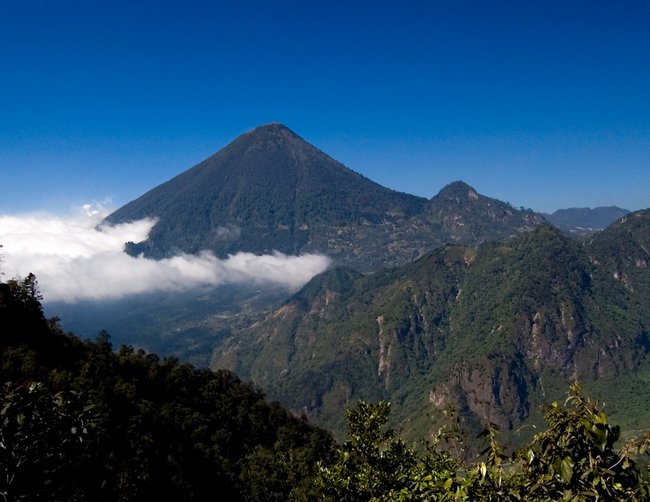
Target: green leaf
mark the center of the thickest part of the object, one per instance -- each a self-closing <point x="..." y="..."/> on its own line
<point x="530" y="456"/>
<point x="566" y="469"/>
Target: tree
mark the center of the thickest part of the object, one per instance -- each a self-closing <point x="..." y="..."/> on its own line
<point x="45" y="439"/>
<point x="80" y="422"/>
<point x="574" y="459"/>
<point x="371" y="463"/>
<point x="27" y="293"/>
<point x="375" y="465"/>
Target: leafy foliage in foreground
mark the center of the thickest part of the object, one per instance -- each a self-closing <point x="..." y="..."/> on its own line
<point x="574" y="459"/>
<point x="81" y="422"/>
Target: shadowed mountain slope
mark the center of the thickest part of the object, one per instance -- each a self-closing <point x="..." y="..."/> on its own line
<point x="269" y="190"/>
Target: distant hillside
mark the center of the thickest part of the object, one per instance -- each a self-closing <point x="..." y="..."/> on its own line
<point x="467" y="217"/>
<point x="493" y="331"/>
<point x="269" y="190"/>
<point x="583" y="220"/>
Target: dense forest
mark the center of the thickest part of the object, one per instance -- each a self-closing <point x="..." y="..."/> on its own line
<point x="80" y="421"/>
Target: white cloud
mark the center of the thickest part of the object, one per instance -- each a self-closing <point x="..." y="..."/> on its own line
<point x="74" y="259"/>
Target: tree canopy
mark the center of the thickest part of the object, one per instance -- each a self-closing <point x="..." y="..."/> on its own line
<point x="574" y="459"/>
<point x="79" y="421"/>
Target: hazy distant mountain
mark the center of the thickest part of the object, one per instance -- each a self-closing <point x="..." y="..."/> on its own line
<point x="583" y="220"/>
<point x="493" y="331"/>
<point x="269" y="190"/>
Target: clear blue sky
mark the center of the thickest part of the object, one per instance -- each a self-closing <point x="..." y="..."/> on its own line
<point x="544" y="103"/>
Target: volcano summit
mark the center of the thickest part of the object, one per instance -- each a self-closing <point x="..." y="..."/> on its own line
<point x="269" y="190"/>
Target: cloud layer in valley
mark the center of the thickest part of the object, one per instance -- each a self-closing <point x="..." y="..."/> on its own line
<point x="74" y="259"/>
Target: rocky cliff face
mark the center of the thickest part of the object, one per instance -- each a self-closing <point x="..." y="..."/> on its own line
<point x="492" y="331"/>
<point x="493" y="391"/>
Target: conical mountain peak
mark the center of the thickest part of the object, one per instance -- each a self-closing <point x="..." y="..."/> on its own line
<point x="270" y="190"/>
<point x="273" y="131"/>
<point x="273" y="128"/>
<point x="272" y="143"/>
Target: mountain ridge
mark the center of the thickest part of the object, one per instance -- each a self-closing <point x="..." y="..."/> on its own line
<point x="493" y="330"/>
<point x="458" y="300"/>
<point x="270" y="190"/>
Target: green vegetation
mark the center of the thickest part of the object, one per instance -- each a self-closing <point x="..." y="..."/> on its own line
<point x="495" y="331"/>
<point x="574" y="459"/>
<point x="81" y="422"/>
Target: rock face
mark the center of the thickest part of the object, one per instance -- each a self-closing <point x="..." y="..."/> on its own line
<point x="269" y="190"/>
<point x="492" y="331"/>
<point x="495" y="391"/>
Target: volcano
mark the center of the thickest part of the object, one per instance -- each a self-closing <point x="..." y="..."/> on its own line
<point x="271" y="191"/>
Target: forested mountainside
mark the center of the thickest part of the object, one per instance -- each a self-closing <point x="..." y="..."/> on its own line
<point x="81" y="422"/>
<point x="492" y="330"/>
<point x="269" y="190"/>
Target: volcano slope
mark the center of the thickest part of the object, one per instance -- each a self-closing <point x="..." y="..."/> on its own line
<point x="269" y="190"/>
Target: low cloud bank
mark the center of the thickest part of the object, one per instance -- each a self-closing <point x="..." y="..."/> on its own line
<point x="74" y="260"/>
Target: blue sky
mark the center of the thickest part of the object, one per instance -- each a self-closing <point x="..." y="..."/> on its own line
<point x="545" y="104"/>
